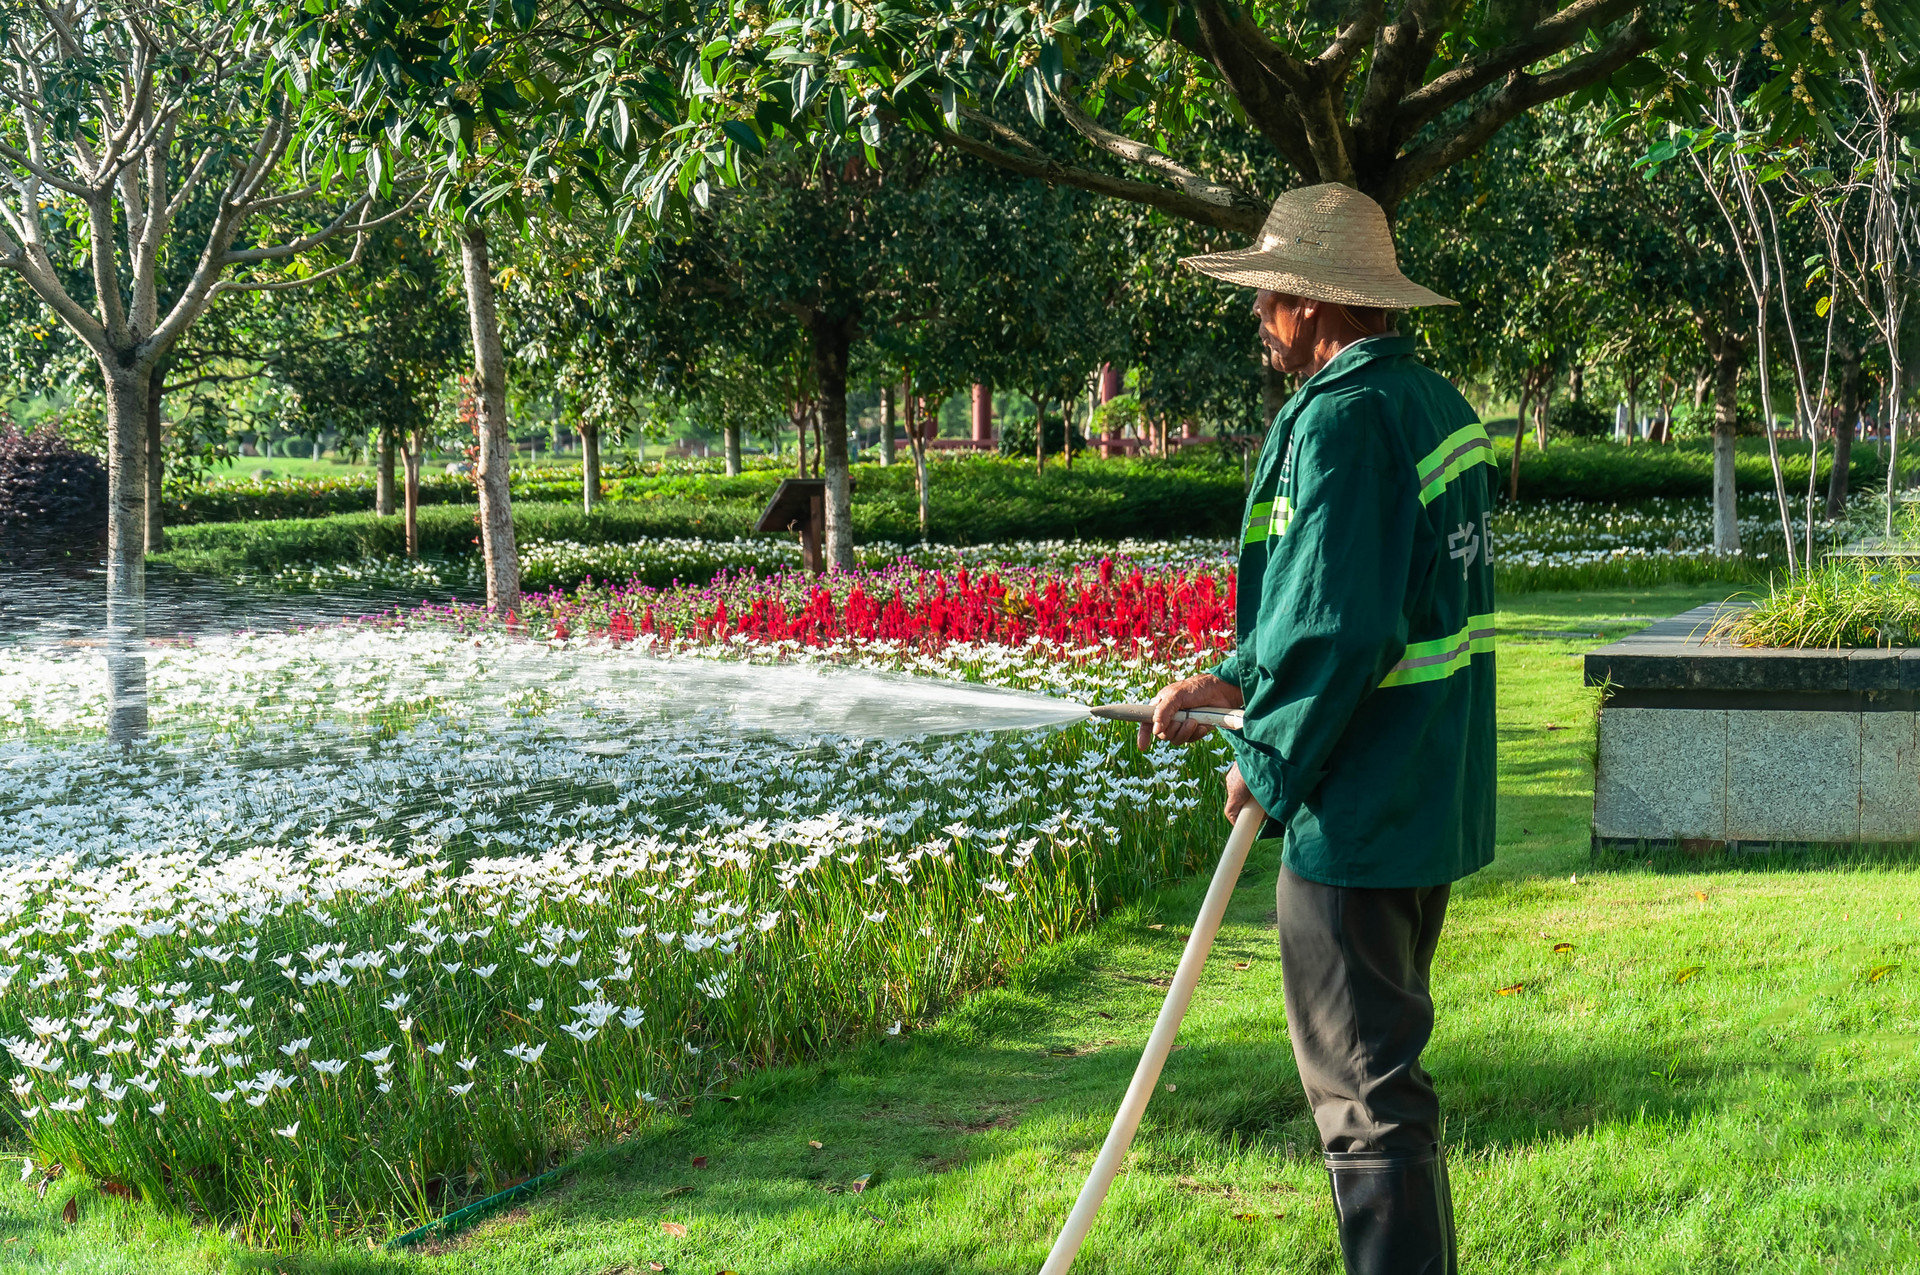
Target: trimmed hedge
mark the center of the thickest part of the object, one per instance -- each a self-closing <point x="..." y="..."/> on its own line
<point x="1605" y="471"/>
<point x="996" y="502"/>
<point x="253" y="498"/>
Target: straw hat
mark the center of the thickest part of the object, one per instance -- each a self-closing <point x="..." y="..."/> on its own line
<point x="1328" y="243"/>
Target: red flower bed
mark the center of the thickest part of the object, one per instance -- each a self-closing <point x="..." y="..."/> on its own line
<point x="1158" y="611"/>
<point x="1187" y="611"/>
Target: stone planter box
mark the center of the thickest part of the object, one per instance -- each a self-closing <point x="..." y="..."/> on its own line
<point x="1706" y="748"/>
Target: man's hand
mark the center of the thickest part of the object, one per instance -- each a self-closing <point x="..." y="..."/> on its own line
<point x="1201" y="691"/>
<point x="1238" y="795"/>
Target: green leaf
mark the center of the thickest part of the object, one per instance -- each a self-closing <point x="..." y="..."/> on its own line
<point x="742" y="135"/>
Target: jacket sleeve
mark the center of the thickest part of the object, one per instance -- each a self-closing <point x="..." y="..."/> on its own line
<point x="1332" y="617"/>
<point x="1228" y="669"/>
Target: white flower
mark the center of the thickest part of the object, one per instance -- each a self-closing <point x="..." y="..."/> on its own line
<point x="437" y="1048"/>
<point x="329" y="1066"/>
<point x="460" y="1091"/>
<point x="293" y="1047"/>
<point x="223" y="1096"/>
<point x="259" y="1099"/>
<point x="26" y="1170"/>
<point x="466" y="1064"/>
<point x="485" y="971"/>
<point x="108" y="1119"/>
<point x="158" y="1108"/>
<point x="378" y="1055"/>
<point x="535" y="1006"/>
<point x="527" y="1053"/>
<point x="581" y="1034"/>
<point x="895" y="1029"/>
<point x="290" y="1130"/>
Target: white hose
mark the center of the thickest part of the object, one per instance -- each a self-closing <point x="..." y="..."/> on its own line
<point x="1205" y="926"/>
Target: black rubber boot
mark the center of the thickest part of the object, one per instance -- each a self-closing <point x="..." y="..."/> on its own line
<point x="1395" y="1211"/>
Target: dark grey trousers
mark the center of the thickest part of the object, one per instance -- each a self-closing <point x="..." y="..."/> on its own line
<point x="1355" y="967"/>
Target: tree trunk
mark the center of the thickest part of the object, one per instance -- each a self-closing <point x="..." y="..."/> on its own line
<point x="1039" y="437"/>
<point x="1726" y="409"/>
<point x="917" y="443"/>
<point x="156" y="535"/>
<point x="126" y="631"/>
<point x="886" y="424"/>
<point x="589" y="466"/>
<point x="1577" y="382"/>
<point x="1519" y="439"/>
<point x="1273" y="391"/>
<point x="490" y="368"/>
<point x="1843" y="427"/>
<point x="415" y="446"/>
<point x="730" y="444"/>
<point x="383" y="487"/>
<point x="832" y="339"/>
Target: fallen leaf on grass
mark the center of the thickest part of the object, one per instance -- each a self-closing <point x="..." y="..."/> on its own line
<point x="1685" y="974"/>
<point x="673" y="1192"/>
<point x="815" y="1145"/>
<point x="1551" y="726"/>
<point x="859" y="1184"/>
<point x="1512" y="991"/>
<point x="674" y="1229"/>
<point x="699" y="1162"/>
<point x="118" y="1190"/>
<point x="1157" y="927"/>
<point x="1104" y="1014"/>
<point x="1172" y="1088"/>
<point x="1243" y="965"/>
<point x="1879" y="972"/>
<point x="656" y="1266"/>
<point x="1563" y="947"/>
<point x="1063" y="1051"/>
<point x="71" y="1213"/>
<point x="1246" y="1217"/>
<point x="1700" y="895"/>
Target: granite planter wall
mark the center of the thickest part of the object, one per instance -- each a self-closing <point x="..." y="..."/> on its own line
<point x="1705" y="747"/>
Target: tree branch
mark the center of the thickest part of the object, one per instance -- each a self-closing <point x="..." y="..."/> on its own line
<point x="1558" y="32"/>
<point x="1265" y="98"/>
<point x="1521" y="93"/>
<point x="1136" y="152"/>
<point x="1177" y="202"/>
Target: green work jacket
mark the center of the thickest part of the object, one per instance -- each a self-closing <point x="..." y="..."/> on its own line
<point x="1365" y="626"/>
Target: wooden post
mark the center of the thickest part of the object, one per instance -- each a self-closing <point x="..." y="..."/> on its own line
<point x="813" y="533"/>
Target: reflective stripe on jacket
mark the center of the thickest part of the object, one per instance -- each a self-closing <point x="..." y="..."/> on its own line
<point x="1365" y="626"/>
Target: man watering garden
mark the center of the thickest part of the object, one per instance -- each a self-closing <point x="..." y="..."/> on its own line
<point x="1365" y="667"/>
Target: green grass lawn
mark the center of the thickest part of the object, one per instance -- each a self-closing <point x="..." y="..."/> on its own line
<point x="1720" y="1075"/>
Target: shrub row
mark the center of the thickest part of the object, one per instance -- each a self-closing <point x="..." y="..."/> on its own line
<point x="1606" y="471"/>
<point x="974" y="502"/>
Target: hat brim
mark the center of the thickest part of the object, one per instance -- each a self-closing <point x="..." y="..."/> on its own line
<point x="1253" y="268"/>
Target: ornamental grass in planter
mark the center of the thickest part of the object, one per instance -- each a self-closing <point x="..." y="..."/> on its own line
<point x="1845" y="603"/>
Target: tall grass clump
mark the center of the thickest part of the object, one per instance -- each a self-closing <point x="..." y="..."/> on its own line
<point x="1843" y="603"/>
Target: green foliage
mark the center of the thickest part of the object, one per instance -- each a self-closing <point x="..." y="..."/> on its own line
<point x="1852" y="602"/>
<point x="1577" y="418"/>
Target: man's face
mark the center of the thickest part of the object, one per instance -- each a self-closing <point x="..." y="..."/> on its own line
<point x="1286" y="329"/>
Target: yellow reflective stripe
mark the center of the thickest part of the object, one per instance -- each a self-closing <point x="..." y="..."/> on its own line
<point x="1436" y="658"/>
<point x="1258" y="525"/>
<point x="1282" y="515"/>
<point x="1459" y="451"/>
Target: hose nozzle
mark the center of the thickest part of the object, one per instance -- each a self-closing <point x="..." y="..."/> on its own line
<point x="1224" y="718"/>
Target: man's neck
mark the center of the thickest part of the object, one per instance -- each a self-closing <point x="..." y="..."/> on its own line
<point x="1328" y="348"/>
